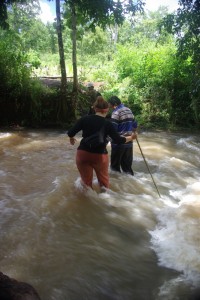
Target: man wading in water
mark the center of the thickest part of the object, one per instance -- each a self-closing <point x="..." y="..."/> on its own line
<point x="124" y="122"/>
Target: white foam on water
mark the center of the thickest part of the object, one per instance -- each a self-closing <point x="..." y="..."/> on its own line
<point x="180" y="163"/>
<point x="57" y="182"/>
<point x="168" y="290"/>
<point x="78" y="184"/>
<point x="132" y="202"/>
<point x="4" y="135"/>
<point x="189" y="143"/>
<point x="176" y="238"/>
<point x="2" y="173"/>
<point x="176" y="166"/>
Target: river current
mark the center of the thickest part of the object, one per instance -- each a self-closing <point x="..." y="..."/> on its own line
<point x="124" y="244"/>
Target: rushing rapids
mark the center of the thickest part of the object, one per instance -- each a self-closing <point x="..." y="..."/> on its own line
<point x="126" y="243"/>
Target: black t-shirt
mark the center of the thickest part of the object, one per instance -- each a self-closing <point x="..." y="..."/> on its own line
<point x="91" y="124"/>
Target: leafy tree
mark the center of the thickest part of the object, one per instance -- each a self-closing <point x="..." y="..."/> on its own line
<point x="103" y="12"/>
<point x="135" y="60"/>
<point x="53" y="37"/>
<point x="62" y="111"/>
<point x="95" y="48"/>
<point x="32" y="31"/>
<point x="4" y="4"/>
<point x="96" y="13"/>
<point x="14" y="74"/>
<point x="151" y="74"/>
<point x="185" y="25"/>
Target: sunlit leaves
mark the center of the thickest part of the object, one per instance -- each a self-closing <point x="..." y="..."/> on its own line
<point x="185" y="25"/>
<point x="104" y="12"/>
<point x="7" y="4"/>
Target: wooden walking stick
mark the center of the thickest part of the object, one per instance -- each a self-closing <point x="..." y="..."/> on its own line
<point x="148" y="167"/>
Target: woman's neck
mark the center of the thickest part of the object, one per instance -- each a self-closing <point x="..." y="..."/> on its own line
<point x="101" y="114"/>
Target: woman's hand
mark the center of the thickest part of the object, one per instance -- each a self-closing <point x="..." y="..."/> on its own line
<point x="134" y="135"/>
<point x="131" y="137"/>
<point x="72" y="140"/>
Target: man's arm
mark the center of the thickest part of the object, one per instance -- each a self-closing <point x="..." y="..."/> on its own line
<point x="135" y="125"/>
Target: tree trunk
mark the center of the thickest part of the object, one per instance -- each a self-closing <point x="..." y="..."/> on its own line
<point x="61" y="48"/>
<point x="74" y="57"/>
<point x="3" y="15"/>
<point x="62" y="105"/>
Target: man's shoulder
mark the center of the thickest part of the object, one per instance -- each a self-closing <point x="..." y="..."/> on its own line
<point x="124" y="112"/>
<point x="126" y="108"/>
<point x="114" y="116"/>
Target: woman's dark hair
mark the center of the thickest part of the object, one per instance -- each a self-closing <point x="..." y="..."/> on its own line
<point x="114" y="100"/>
<point x="100" y="103"/>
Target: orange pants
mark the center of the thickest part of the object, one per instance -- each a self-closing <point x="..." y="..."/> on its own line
<point x="87" y="162"/>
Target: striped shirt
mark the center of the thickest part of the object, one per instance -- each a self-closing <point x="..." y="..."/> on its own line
<point x="124" y="122"/>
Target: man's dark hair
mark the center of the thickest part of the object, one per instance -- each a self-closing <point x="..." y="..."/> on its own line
<point x="114" y="100"/>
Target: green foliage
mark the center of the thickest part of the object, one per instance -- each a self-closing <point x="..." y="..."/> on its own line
<point x="92" y="44"/>
<point x="22" y="99"/>
<point x="136" y="61"/>
<point x="13" y="64"/>
<point x="33" y="33"/>
<point x="33" y="59"/>
<point x="147" y="74"/>
<point x="104" y="12"/>
<point x="3" y="11"/>
<point x="52" y="37"/>
<point x="185" y="24"/>
<point x="43" y="106"/>
<point x="155" y="79"/>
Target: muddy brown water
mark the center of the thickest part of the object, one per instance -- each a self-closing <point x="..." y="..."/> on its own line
<point x="124" y="244"/>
